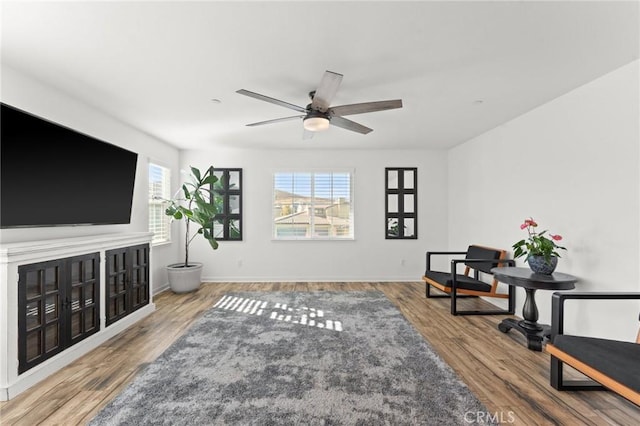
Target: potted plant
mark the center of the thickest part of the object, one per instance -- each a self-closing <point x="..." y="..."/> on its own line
<point x="541" y="252"/>
<point x="195" y="208"/>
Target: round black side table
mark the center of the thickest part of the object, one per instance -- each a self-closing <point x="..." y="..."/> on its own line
<point x="530" y="281"/>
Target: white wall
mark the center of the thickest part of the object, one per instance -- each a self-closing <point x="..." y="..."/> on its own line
<point x="367" y="258"/>
<point x="257" y="258"/>
<point x="573" y="164"/>
<point x="23" y="92"/>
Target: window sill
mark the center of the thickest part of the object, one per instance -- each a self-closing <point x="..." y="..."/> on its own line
<point x="161" y="243"/>
<point x="313" y="239"/>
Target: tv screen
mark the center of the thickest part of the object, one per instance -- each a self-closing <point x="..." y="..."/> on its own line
<point x="51" y="175"/>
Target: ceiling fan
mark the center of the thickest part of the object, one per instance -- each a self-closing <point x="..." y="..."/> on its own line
<point x="319" y="113"/>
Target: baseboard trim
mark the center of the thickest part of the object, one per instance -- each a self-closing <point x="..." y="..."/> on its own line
<point x="305" y="280"/>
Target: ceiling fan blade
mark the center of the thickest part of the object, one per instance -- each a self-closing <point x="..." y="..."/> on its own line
<point x="350" y="125"/>
<point x="271" y="100"/>
<point x="365" y="107"/>
<point x="326" y="90"/>
<point x="275" y="120"/>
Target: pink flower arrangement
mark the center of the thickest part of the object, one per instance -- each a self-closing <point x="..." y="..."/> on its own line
<point x="537" y="244"/>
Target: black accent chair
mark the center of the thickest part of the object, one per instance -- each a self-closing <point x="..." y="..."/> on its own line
<point x="612" y="364"/>
<point x="455" y="285"/>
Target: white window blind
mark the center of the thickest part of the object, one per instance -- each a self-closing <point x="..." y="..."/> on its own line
<point x="313" y="205"/>
<point x="159" y="190"/>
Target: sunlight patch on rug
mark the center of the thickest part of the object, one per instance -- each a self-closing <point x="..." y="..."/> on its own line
<point x="304" y="315"/>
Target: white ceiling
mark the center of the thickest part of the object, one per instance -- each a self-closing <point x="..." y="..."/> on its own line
<point x="461" y="68"/>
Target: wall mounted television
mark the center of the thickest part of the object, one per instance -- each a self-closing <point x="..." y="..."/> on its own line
<point x="51" y="175"/>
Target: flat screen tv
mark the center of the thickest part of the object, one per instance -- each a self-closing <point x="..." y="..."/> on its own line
<point x="51" y="175"/>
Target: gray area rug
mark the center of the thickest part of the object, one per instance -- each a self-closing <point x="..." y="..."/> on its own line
<point x="297" y="358"/>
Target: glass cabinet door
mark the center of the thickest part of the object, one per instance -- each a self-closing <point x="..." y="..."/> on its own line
<point x="39" y="312"/>
<point x="127" y="281"/>
<point x="57" y="306"/>
<point x="83" y="297"/>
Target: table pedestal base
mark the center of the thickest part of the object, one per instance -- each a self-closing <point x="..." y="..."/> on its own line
<point x="530" y="281"/>
<point x="534" y="332"/>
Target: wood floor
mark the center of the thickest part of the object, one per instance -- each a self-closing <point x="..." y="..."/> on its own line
<point x="512" y="381"/>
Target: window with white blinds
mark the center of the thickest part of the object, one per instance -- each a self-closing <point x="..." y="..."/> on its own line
<point x="313" y="205"/>
<point x="159" y="191"/>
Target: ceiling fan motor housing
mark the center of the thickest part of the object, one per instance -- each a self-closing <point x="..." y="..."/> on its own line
<point x="316" y="113"/>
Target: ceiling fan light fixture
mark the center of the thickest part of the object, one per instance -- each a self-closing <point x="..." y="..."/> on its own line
<point x="316" y="122"/>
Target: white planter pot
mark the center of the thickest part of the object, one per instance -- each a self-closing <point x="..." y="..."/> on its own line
<point x="184" y="280"/>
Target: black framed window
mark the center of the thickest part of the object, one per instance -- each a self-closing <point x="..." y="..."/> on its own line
<point x="227" y="225"/>
<point x="401" y="203"/>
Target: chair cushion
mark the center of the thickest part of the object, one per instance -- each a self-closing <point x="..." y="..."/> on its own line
<point x="618" y="360"/>
<point x="479" y="252"/>
<point x="463" y="281"/>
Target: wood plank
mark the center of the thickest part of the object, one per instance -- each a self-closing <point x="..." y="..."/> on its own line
<point x="512" y="381"/>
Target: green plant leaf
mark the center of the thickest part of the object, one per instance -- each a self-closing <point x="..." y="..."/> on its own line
<point x="519" y="244"/>
<point x="213" y="243"/>
<point x="234" y="232"/>
<point x="196" y="173"/>
<point x="209" y="236"/>
<point x="211" y="180"/>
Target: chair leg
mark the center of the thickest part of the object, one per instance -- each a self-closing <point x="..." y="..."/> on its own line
<point x="454" y="296"/>
<point x="509" y="311"/>
<point x="454" y="300"/>
<point x="454" y="304"/>
<point x="555" y="373"/>
<point x="430" y="295"/>
<point x="557" y="381"/>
